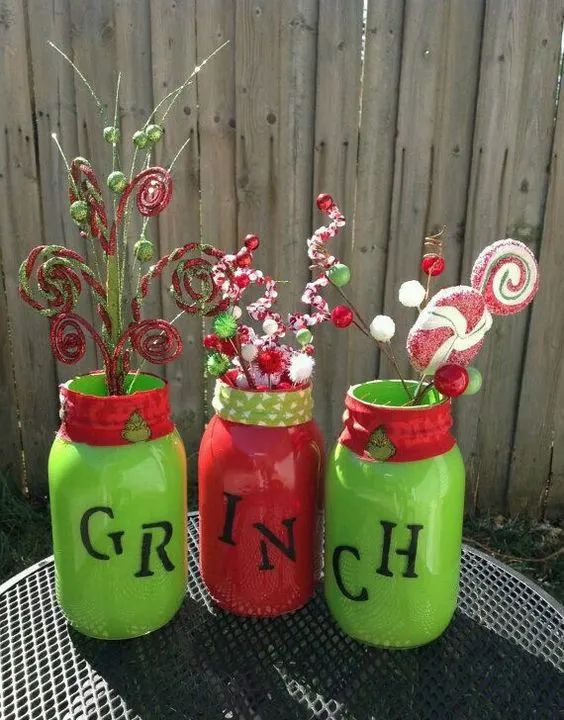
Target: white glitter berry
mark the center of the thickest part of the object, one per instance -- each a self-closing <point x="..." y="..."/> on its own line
<point x="411" y="293"/>
<point x="270" y="327"/>
<point x="382" y="328"/>
<point x="249" y="352"/>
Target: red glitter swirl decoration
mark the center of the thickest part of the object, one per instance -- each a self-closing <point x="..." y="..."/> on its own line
<point x="157" y="341"/>
<point x="68" y="339"/>
<point x="88" y="189"/>
<point x="193" y="288"/>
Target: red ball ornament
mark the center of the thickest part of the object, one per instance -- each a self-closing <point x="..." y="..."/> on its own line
<point x="252" y="242"/>
<point x="270" y="362"/>
<point x="341" y="316"/>
<point x="226" y="347"/>
<point x="433" y="264"/>
<point x="243" y="258"/>
<point x="324" y="202"/>
<point x="451" y="380"/>
<point x="242" y="281"/>
<point x="211" y="342"/>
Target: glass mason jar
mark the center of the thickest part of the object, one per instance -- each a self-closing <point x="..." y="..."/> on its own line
<point x="259" y="471"/>
<point x="117" y="485"/>
<point x="393" y="518"/>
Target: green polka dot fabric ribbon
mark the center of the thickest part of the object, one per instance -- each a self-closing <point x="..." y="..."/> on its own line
<point x="269" y="409"/>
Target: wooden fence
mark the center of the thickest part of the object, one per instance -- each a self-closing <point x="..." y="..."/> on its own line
<point x="411" y="113"/>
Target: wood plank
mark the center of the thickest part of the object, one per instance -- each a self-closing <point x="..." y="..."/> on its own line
<point x="537" y="464"/>
<point x="512" y="143"/>
<point x="217" y="127"/>
<point x="377" y="133"/>
<point x="11" y="467"/>
<point x="174" y="57"/>
<point x="55" y="112"/>
<point x="339" y="65"/>
<point x="274" y="104"/>
<point x="20" y="230"/>
<point x="439" y="75"/>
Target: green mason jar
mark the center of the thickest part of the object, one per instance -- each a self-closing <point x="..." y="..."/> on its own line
<point x="117" y="485"/>
<point x="393" y="523"/>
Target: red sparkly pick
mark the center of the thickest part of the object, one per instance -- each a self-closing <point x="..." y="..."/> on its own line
<point x="270" y="362"/>
<point x="341" y="316"/>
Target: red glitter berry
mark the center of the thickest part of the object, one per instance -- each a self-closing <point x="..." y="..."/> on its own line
<point x="433" y="264"/>
<point x="451" y="380"/>
<point x="243" y="258"/>
<point x="270" y="362"/>
<point x="341" y="316"/>
<point x="242" y="281"/>
<point x="252" y="242"/>
<point x="211" y="342"/>
<point x="324" y="202"/>
<point x="226" y="347"/>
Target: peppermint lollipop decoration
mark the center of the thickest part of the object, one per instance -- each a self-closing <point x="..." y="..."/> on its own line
<point x="506" y="274"/>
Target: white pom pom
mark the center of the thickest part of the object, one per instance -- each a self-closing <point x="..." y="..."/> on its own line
<point x="382" y="328"/>
<point x="249" y="352"/>
<point x="411" y="293"/>
<point x="301" y="367"/>
<point x="236" y="312"/>
<point x="242" y="382"/>
<point x="270" y="327"/>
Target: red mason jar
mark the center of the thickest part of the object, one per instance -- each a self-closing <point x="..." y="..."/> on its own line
<point x="260" y="467"/>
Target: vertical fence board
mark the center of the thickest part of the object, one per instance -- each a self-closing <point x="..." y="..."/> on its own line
<point x="55" y="112"/>
<point x="174" y="57"/>
<point x="274" y="105"/>
<point x="512" y="142"/>
<point x="384" y="27"/>
<point x="20" y="230"/>
<point x="11" y="448"/>
<point x="537" y="462"/>
<point x="440" y="61"/>
<point x="339" y="65"/>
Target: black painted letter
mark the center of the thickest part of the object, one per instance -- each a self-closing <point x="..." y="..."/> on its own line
<point x="145" y="570"/>
<point x="288" y="550"/>
<point x="339" y="550"/>
<point x="232" y="501"/>
<point x="85" y="534"/>
<point x="410" y="552"/>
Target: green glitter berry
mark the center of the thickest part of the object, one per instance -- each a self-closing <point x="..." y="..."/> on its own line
<point x="217" y="364"/>
<point x="225" y="325"/>
<point x="111" y="134"/>
<point x="304" y="336"/>
<point x="140" y="139"/>
<point x="339" y="274"/>
<point x="79" y="211"/>
<point x="144" y="250"/>
<point x="154" y="132"/>
<point x="117" y="182"/>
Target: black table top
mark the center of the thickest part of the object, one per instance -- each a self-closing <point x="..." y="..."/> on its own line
<point x="501" y="657"/>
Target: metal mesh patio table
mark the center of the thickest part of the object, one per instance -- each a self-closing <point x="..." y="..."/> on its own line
<point x="501" y="657"/>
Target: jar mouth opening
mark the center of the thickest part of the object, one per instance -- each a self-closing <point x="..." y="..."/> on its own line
<point x="392" y="394"/>
<point x="94" y="384"/>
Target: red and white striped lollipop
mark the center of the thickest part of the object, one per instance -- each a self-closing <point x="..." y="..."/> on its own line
<point x="451" y="328"/>
<point x="507" y="275"/>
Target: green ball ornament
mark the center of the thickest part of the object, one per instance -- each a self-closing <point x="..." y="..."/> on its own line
<point x="304" y="336"/>
<point x="140" y="139"/>
<point x="225" y="325"/>
<point x="111" y="134"/>
<point x="79" y="211"/>
<point x="144" y="250"/>
<point x="474" y="381"/>
<point x="217" y="364"/>
<point x="339" y="274"/>
<point x="117" y="182"/>
<point x="154" y="132"/>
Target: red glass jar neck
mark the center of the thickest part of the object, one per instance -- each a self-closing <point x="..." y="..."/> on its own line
<point x="394" y="433"/>
<point x="90" y="416"/>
